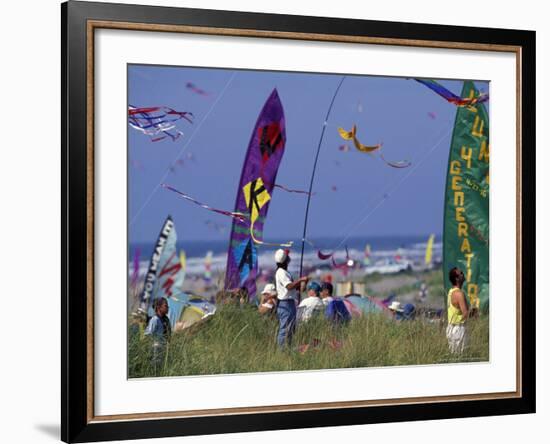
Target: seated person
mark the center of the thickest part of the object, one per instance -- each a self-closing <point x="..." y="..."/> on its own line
<point x="268" y="301"/>
<point x="336" y="310"/>
<point x="409" y="312"/>
<point x="395" y="309"/>
<point x="312" y="304"/>
<point x="326" y="292"/>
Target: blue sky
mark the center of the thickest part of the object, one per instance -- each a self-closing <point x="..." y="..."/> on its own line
<point x="391" y="110"/>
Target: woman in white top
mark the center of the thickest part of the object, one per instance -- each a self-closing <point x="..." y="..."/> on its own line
<point x="287" y="298"/>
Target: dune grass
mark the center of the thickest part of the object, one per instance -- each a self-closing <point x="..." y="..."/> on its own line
<point x="238" y="340"/>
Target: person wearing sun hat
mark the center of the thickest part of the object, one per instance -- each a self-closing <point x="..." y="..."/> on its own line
<point x="268" y="301"/>
<point x="312" y="304"/>
<point x="397" y="311"/>
<point x="395" y="306"/>
<point x="286" y="297"/>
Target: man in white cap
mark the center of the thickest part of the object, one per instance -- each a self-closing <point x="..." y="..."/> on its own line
<point x="268" y="302"/>
<point x="287" y="297"/>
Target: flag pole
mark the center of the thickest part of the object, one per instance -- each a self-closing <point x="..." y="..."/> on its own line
<point x="313" y="173"/>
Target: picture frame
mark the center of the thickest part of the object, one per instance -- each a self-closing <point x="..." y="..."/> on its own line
<point x="80" y="21"/>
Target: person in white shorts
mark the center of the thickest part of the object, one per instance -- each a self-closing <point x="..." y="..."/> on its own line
<point x="457" y="312"/>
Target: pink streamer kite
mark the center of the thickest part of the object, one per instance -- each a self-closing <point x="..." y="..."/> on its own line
<point x="239" y="216"/>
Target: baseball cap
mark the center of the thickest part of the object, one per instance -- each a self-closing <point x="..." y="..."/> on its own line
<point x="314" y="286"/>
<point x="281" y="255"/>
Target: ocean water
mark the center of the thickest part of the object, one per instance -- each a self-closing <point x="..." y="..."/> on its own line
<point x="411" y="248"/>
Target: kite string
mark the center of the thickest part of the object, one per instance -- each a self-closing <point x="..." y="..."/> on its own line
<point x="349" y="226"/>
<point x="313" y="171"/>
<point x="391" y="189"/>
<point x="443" y="134"/>
<point x="182" y="150"/>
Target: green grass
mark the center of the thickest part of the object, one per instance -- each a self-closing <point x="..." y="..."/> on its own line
<point x="238" y="340"/>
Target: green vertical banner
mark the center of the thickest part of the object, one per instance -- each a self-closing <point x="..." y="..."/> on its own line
<point x="466" y="220"/>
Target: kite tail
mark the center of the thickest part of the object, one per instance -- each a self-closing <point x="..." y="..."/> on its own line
<point x="269" y="244"/>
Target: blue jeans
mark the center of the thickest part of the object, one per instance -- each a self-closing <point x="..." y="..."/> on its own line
<point x="286" y="313"/>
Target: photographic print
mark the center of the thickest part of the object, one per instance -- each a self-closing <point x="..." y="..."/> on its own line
<point x="285" y="221"/>
<point x="284" y="199"/>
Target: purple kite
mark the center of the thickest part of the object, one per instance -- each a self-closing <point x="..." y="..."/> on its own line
<point x="264" y="154"/>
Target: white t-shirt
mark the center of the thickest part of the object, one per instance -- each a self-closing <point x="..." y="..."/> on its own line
<point x="282" y="279"/>
<point x="309" y="306"/>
